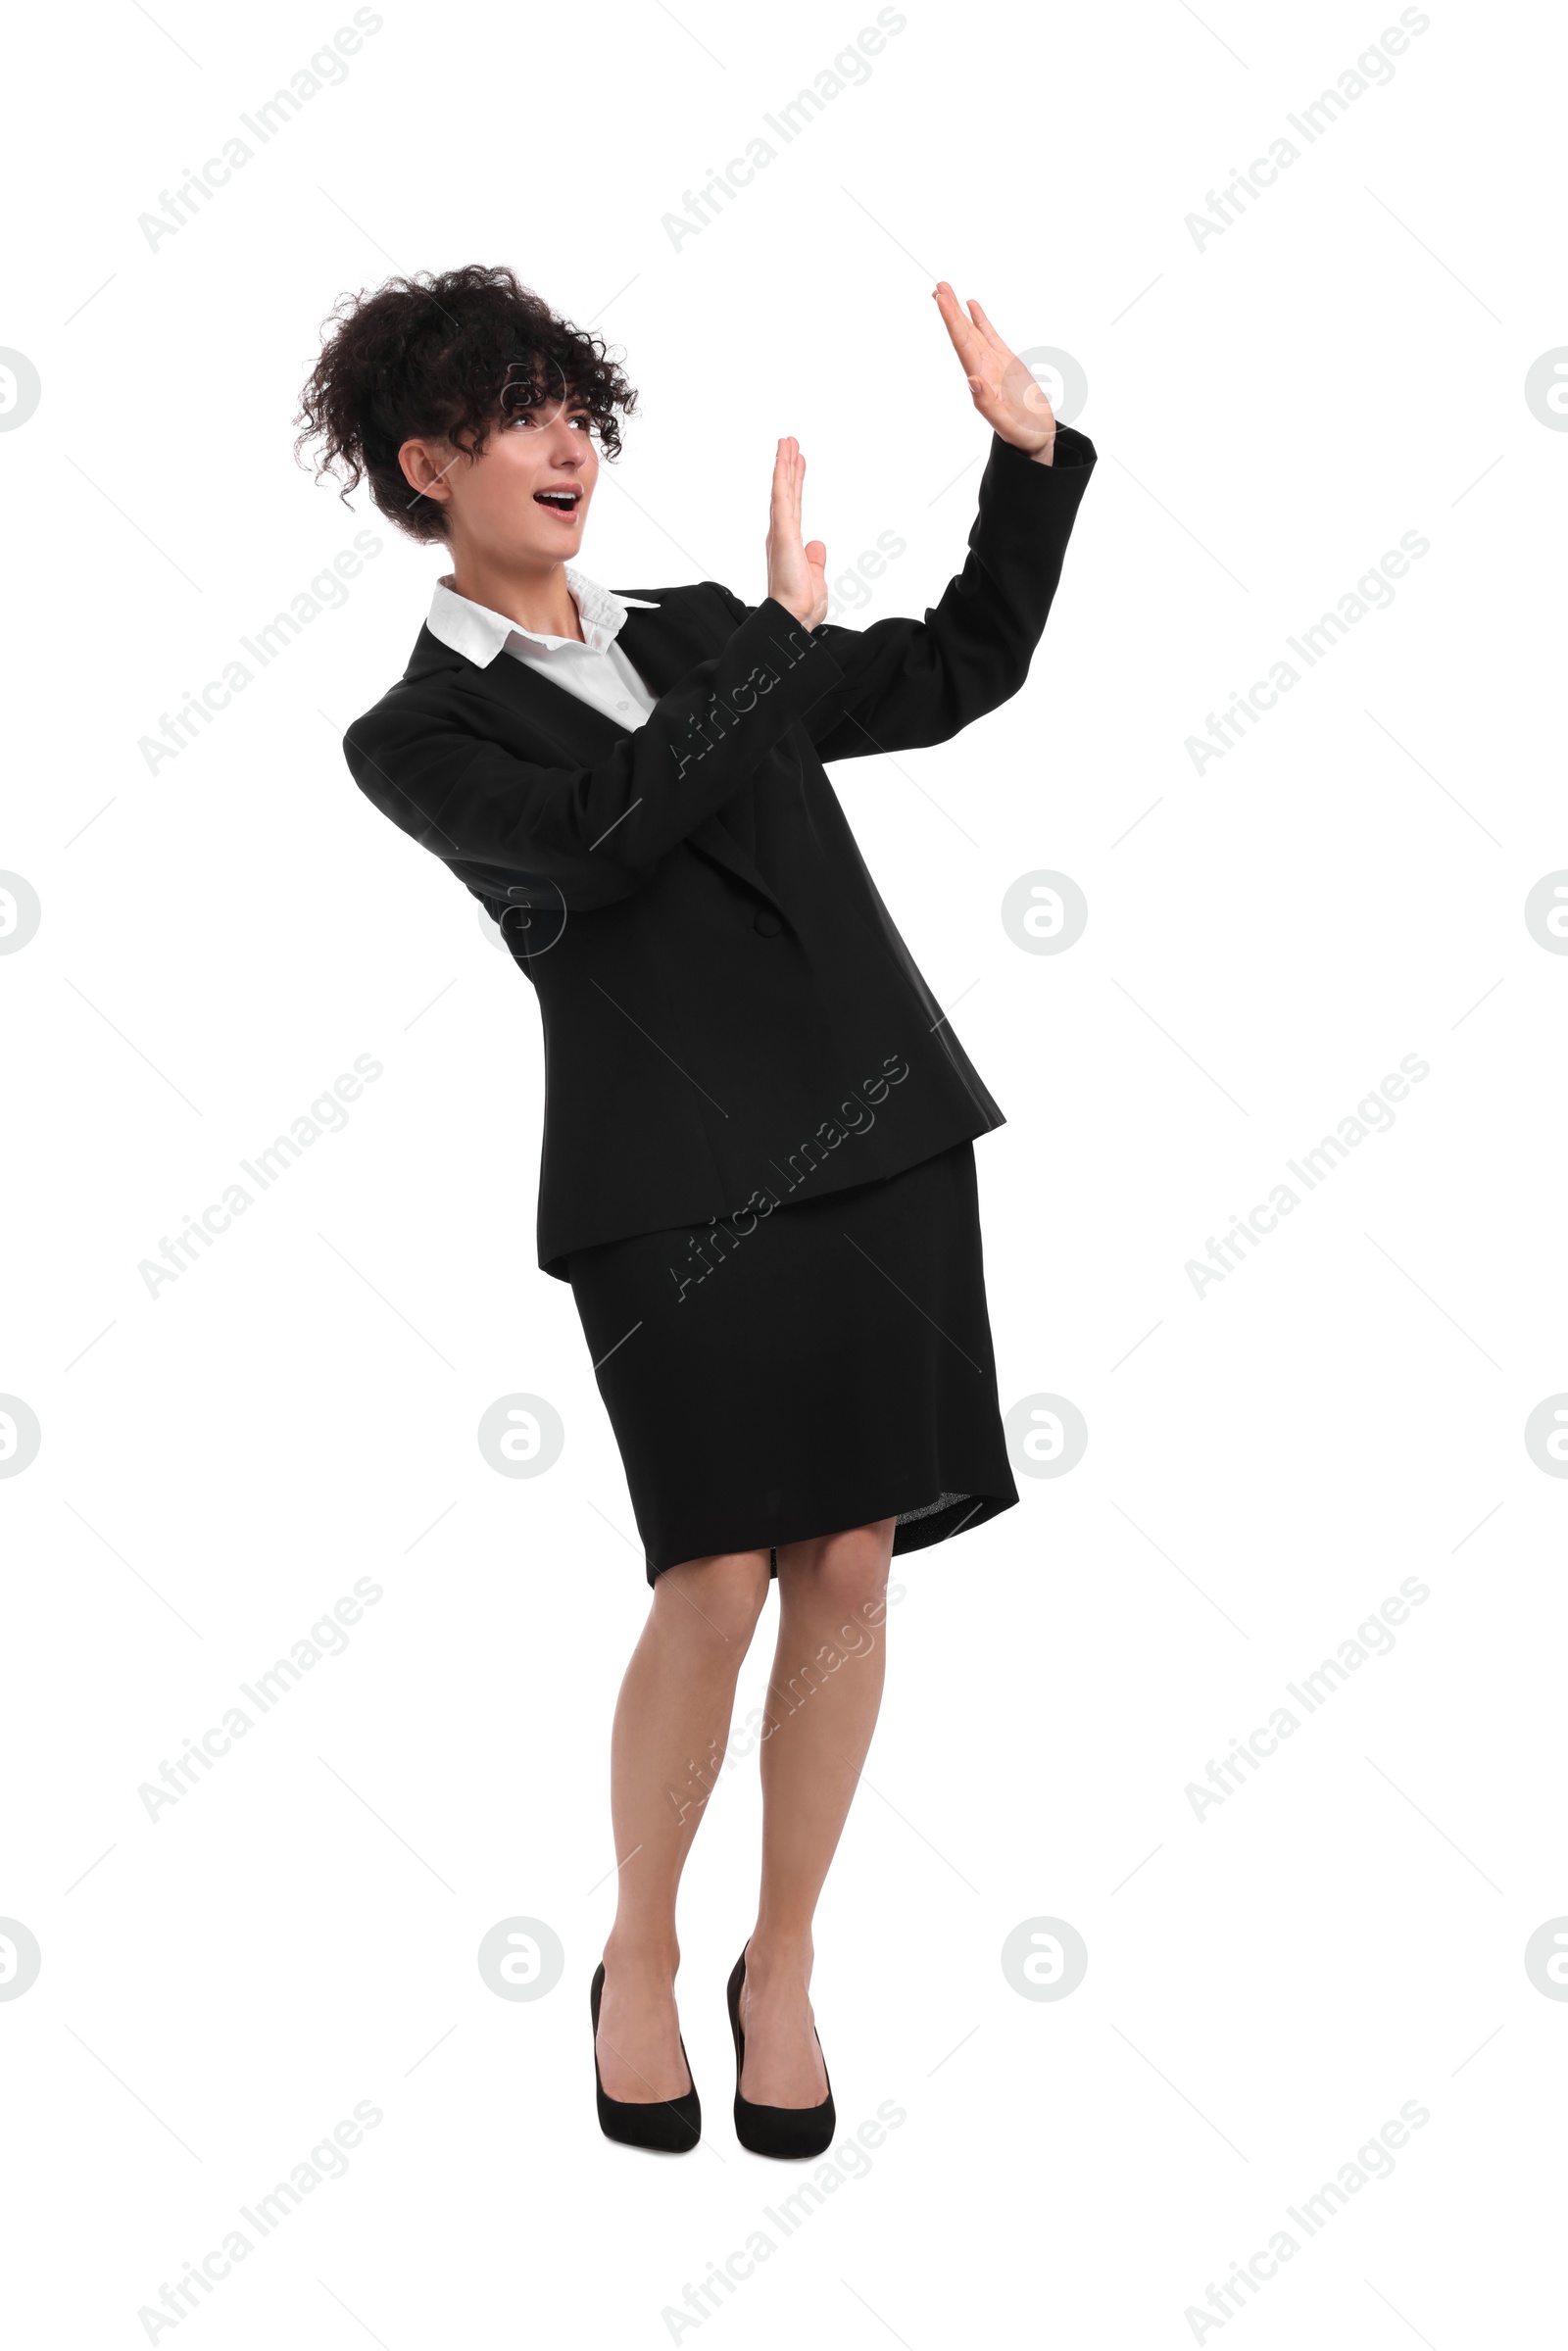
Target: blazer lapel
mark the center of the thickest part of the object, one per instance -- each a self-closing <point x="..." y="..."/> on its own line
<point x="561" y="727"/>
<point x="662" y="656"/>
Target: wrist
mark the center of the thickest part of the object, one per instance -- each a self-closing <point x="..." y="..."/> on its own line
<point x="801" y="619"/>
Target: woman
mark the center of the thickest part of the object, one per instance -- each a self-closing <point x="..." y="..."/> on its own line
<point x="757" y="1172"/>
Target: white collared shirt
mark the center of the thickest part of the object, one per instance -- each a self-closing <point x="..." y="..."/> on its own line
<point x="597" y="669"/>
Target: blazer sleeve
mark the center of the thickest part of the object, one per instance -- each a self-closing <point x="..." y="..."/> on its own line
<point x="907" y="683"/>
<point x="593" y="833"/>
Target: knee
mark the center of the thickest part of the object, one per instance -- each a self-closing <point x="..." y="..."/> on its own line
<point x="725" y="1594"/>
<point x="842" y="1574"/>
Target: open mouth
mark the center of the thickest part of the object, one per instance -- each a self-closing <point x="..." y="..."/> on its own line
<point x="558" y="502"/>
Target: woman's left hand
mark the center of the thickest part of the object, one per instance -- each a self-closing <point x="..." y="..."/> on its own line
<point x="1002" y="389"/>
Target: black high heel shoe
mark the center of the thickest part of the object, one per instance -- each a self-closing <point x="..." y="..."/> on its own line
<point x="787" y="2132"/>
<point x="666" y="2126"/>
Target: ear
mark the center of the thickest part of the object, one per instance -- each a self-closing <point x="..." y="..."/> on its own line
<point x="425" y="466"/>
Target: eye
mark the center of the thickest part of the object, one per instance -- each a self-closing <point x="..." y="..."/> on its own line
<point x="581" y="417"/>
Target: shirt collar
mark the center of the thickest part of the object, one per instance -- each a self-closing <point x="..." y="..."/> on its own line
<point x="480" y="634"/>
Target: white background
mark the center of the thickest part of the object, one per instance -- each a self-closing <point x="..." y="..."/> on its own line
<point x="1268" y="1984"/>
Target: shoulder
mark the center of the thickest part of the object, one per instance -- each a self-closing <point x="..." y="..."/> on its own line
<point x="431" y="671"/>
<point x="694" y="601"/>
<point x="679" y="595"/>
<point x="426" y="702"/>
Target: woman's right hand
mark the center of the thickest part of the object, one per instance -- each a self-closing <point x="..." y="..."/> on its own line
<point x="796" y="574"/>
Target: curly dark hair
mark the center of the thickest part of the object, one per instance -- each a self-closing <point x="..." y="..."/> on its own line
<point x="443" y="357"/>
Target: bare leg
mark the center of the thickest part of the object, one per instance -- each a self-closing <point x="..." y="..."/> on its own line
<point x="671" y="1726"/>
<point x="824" y="1697"/>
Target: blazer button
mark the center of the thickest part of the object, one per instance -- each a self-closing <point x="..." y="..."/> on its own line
<point x="768" y="922"/>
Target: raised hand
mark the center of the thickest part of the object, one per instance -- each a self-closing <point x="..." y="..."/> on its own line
<point x="796" y="574"/>
<point x="1002" y="387"/>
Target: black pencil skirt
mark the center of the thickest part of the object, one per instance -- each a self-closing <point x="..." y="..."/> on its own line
<point x="829" y="1366"/>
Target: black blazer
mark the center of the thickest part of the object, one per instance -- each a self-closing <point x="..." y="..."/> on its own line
<point x="730" y="1016"/>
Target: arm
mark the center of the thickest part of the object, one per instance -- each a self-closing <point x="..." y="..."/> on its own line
<point x="593" y="833"/>
<point x="907" y="683"/>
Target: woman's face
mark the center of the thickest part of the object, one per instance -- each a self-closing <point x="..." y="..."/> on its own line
<point x="526" y="497"/>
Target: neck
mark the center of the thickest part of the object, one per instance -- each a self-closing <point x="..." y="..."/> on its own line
<point x="534" y="596"/>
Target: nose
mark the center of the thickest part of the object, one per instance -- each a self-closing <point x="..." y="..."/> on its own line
<point x="562" y="431"/>
<point x="566" y="447"/>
